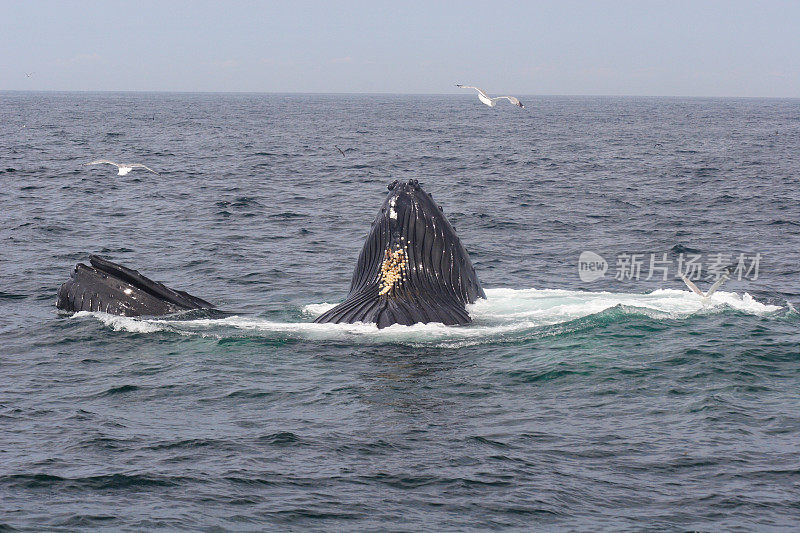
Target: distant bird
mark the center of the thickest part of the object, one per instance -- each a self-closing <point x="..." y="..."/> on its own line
<point x="339" y="150"/>
<point x="491" y="102"/>
<point x="29" y="75"/>
<point x="124" y="168"/>
<point x="711" y="289"/>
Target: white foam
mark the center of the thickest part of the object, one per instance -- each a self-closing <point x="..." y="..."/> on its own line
<point x="505" y="313"/>
<point x="124" y="323"/>
<point x="317" y="309"/>
<point x="548" y="306"/>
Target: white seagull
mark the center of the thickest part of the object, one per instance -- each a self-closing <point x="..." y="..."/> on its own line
<point x="124" y="168"/>
<point x="491" y="102"/>
<point x="711" y="290"/>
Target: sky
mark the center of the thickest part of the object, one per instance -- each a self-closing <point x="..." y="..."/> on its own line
<point x="643" y="48"/>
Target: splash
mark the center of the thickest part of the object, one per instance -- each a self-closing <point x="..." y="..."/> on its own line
<point x="505" y="315"/>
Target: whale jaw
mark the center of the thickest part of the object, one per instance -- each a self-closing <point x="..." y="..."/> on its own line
<point x="111" y="288"/>
<point x="411" y="269"/>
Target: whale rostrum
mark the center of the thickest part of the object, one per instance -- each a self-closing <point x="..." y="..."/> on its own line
<point x="412" y="267"/>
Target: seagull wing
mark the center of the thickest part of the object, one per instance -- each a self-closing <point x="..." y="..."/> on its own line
<point x="692" y="286"/>
<point x="139" y="165"/>
<point x="481" y="91"/>
<point x="101" y="161"/>
<point x="511" y="99"/>
<point x="717" y="284"/>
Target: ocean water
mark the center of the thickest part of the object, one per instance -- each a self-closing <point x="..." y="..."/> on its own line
<point x="619" y="404"/>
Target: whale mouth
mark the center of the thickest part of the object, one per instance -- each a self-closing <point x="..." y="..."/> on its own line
<point x="412" y="267"/>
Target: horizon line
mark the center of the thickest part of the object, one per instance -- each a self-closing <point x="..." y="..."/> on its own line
<point x="384" y="93"/>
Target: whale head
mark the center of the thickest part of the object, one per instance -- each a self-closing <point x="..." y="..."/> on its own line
<point x="412" y="267"/>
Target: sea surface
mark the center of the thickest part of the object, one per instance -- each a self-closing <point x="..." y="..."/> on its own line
<point x="619" y="404"/>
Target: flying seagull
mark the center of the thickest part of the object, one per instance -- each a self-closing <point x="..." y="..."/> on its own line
<point x="491" y="102"/>
<point x="124" y="168"/>
<point x="29" y="75"/>
<point x="711" y="289"/>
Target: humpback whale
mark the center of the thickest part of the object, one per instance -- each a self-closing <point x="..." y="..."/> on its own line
<point x="112" y="288"/>
<point x="411" y="269"/>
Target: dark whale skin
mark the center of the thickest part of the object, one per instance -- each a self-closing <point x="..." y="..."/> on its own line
<point x="430" y="277"/>
<point x="438" y="280"/>
<point x="111" y="288"/>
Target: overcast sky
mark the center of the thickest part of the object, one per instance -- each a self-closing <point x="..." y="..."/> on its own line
<point x="694" y="48"/>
